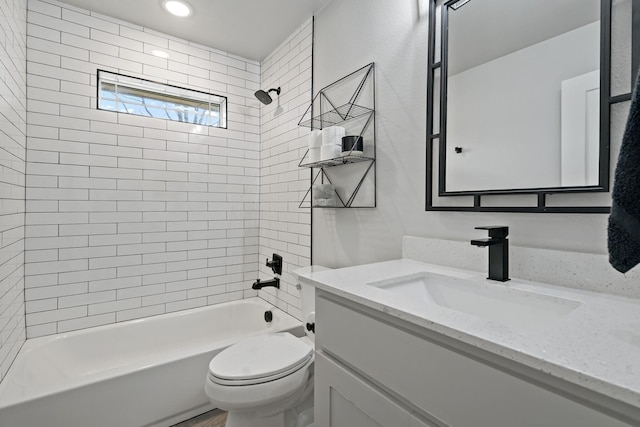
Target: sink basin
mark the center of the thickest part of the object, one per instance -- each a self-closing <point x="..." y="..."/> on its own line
<point x="496" y="302"/>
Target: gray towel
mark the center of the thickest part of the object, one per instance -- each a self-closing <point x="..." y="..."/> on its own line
<point x="624" y="221"/>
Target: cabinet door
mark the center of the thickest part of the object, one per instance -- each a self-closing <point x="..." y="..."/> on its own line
<point x="342" y="399"/>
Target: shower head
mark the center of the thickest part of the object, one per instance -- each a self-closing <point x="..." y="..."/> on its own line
<point x="264" y="97"/>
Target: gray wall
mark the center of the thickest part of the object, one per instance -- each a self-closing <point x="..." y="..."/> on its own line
<point x="351" y="33"/>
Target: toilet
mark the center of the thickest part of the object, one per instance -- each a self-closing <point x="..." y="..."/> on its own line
<point x="267" y="381"/>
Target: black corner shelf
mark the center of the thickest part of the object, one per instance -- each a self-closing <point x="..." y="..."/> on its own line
<point x="327" y="114"/>
<point x="343" y="160"/>
<point x="336" y="116"/>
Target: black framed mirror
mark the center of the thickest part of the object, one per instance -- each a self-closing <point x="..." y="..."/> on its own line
<point x="520" y="96"/>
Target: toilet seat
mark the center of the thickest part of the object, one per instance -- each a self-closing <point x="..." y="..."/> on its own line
<point x="259" y="360"/>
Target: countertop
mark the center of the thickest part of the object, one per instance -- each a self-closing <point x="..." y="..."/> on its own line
<point x="596" y="346"/>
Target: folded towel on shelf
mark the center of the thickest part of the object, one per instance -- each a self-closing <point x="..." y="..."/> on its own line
<point x="624" y="221"/>
<point x="332" y="135"/>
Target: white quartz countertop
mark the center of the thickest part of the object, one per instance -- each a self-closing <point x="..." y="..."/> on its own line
<point x="596" y="346"/>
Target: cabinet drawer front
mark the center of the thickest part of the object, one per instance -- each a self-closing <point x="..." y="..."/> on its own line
<point x="459" y="390"/>
<point x="343" y="399"/>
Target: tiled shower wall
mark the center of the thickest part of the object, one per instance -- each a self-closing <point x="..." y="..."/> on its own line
<point x="12" y="177"/>
<point x="284" y="227"/>
<point x="130" y="216"/>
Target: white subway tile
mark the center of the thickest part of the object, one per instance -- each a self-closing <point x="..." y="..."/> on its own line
<point x="180" y="46"/>
<point x="85" y="299"/>
<point x="41" y="230"/>
<point x="89" y="21"/>
<point x="36" y="331"/>
<point x="43" y="32"/>
<point x="163" y="74"/>
<point x="100" y="172"/>
<point x="55" y="242"/>
<point x="83" y="253"/>
<point x="138" y="270"/>
<point x="57" y="24"/>
<point x="127" y="184"/>
<point x="55" y="315"/>
<point x="85" y="276"/>
<point x="140" y="291"/>
<point x="112" y="306"/>
<point x="115" y="217"/>
<point x="117" y="283"/>
<point x="118" y="195"/>
<point x="98" y="126"/>
<point x="41" y="305"/>
<point x="186" y="304"/>
<point x="44" y="8"/>
<point x="151" y="279"/>
<point x="86" y="322"/>
<point x="138" y="313"/>
<point x="146" y="248"/>
<point x="121" y="64"/>
<point x="142" y="58"/>
<point x="87" y="205"/>
<point x="116" y="239"/>
<point x="206" y="291"/>
<point x="57" y="121"/>
<point x="50" y="47"/>
<point x="42" y="107"/>
<point x="77" y="88"/>
<point x="144" y="37"/>
<point x="40" y="255"/>
<point x="47" y="292"/>
<point x="89" y="183"/>
<point x="164" y="298"/>
<point x="90" y="44"/>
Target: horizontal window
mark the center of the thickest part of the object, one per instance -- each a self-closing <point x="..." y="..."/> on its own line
<point x="132" y="95"/>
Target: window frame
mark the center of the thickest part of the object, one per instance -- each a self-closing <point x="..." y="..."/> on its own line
<point x="178" y="92"/>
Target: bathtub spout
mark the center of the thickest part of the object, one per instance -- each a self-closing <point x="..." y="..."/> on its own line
<point x="259" y="285"/>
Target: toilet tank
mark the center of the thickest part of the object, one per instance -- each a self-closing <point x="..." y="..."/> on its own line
<point x="307" y="291"/>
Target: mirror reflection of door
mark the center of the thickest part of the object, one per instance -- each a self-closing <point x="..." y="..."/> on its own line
<point x="522" y="94"/>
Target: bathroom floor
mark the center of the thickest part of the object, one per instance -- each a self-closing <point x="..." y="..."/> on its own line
<point x="215" y="418"/>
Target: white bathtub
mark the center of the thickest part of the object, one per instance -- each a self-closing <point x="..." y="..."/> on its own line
<point x="147" y="372"/>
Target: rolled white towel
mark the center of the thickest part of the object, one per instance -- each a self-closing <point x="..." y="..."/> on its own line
<point x="314" y="154"/>
<point x="332" y="135"/>
<point x="315" y="138"/>
<point x="330" y="151"/>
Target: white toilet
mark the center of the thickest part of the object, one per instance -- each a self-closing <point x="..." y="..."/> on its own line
<point x="267" y="381"/>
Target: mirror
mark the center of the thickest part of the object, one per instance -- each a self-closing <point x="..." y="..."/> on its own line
<point x="523" y="99"/>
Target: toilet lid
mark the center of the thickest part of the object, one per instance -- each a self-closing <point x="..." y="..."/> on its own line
<point x="261" y="357"/>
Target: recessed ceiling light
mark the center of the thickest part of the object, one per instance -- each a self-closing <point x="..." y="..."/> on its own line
<point x="177" y="8"/>
<point x="160" y="53"/>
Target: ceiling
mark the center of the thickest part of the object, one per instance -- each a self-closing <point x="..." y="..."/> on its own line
<point x="248" y="28"/>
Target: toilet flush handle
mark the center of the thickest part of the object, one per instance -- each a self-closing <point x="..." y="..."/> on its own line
<point x="311" y="327"/>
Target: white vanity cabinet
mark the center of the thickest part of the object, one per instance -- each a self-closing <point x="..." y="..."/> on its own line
<point x="373" y="369"/>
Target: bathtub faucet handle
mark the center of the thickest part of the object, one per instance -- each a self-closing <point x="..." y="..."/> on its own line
<point x="276" y="264"/>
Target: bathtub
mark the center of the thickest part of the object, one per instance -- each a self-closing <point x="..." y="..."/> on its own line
<point x="147" y="372"/>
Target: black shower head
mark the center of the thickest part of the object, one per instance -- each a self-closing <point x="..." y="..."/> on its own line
<point x="264" y="97"/>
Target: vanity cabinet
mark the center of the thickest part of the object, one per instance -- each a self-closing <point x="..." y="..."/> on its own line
<point x="373" y="369"/>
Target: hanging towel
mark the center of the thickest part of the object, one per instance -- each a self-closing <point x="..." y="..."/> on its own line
<point x="624" y="221"/>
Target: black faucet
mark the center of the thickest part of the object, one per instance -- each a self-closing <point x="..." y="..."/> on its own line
<point x="498" y="251"/>
<point x="259" y="285"/>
